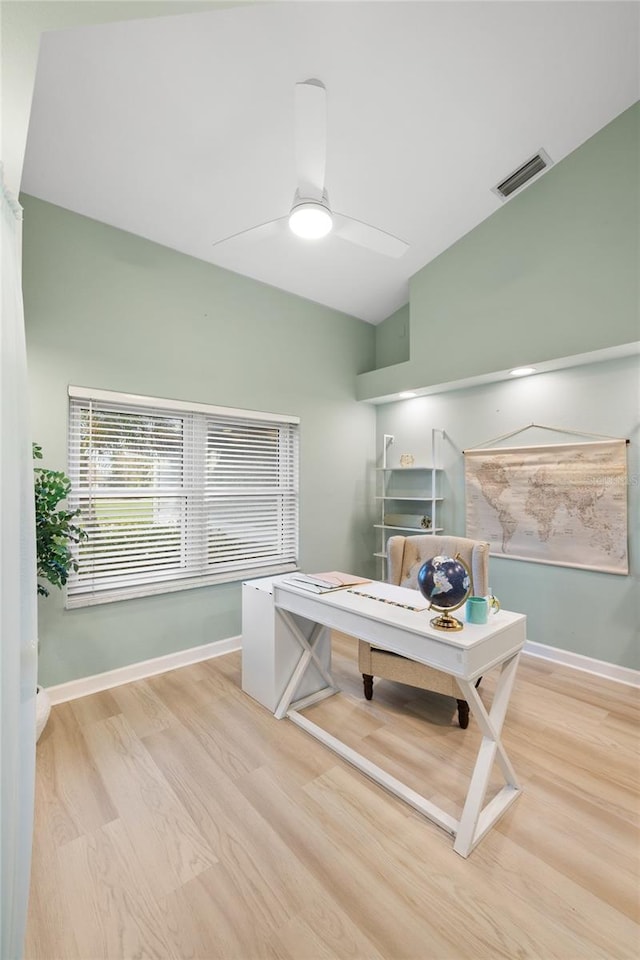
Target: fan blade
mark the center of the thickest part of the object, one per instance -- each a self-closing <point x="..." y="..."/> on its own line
<point x="364" y="235"/>
<point x="310" y="112"/>
<point x="262" y="232"/>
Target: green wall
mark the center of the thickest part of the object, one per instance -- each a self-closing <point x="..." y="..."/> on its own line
<point x="553" y="273"/>
<point x="392" y="338"/>
<point x="107" y="309"/>
<point x="589" y="613"/>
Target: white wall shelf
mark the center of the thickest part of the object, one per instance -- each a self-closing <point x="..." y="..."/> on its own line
<point x="387" y="526"/>
<point x="414" y="499"/>
<point x="420" y="491"/>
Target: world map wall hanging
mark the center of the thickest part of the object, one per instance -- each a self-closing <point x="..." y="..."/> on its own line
<point x="558" y="503"/>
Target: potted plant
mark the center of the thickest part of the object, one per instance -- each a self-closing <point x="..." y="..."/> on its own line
<point x="55" y="532"/>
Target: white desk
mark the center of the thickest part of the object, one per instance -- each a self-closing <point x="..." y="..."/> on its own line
<point x="466" y="655"/>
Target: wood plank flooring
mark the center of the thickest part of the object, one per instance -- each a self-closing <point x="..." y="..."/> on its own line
<point x="175" y="818"/>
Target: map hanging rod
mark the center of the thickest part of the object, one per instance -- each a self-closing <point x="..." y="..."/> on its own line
<point x="542" y="426"/>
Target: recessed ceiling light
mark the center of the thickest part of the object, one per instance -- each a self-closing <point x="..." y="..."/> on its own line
<point x="406" y="394"/>
<point x="522" y="371"/>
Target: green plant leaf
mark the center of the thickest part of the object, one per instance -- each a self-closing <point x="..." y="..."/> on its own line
<point x="55" y="531"/>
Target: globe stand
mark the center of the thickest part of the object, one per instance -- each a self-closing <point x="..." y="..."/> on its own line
<point x="446" y="622"/>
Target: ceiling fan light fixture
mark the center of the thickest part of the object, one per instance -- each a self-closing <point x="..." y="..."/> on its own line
<point x="310" y="219"/>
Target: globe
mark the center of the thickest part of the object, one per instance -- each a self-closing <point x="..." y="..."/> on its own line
<point x="446" y="583"/>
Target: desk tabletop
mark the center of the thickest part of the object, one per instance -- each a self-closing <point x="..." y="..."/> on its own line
<point x="415" y="621"/>
<point x="465" y="653"/>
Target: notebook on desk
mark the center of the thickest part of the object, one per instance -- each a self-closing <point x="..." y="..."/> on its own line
<point x="324" y="582"/>
<point x="338" y="579"/>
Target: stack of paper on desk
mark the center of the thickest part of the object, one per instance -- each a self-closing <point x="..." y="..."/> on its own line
<point x="323" y="582"/>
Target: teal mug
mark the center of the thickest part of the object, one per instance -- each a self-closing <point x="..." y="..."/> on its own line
<point x="477" y="610"/>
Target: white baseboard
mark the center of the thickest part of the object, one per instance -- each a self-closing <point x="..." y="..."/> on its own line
<point x="138" y="671"/>
<point x="599" y="668"/>
<point x="182" y="658"/>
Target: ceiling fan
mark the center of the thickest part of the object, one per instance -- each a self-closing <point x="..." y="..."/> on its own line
<point x="311" y="216"/>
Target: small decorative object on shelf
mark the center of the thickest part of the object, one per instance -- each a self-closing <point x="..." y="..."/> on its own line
<point x="446" y="583"/>
<point x="407" y="521"/>
<point x="406" y="460"/>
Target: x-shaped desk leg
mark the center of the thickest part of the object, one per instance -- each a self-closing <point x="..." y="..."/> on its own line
<point x="476" y="821"/>
<point x="309" y="655"/>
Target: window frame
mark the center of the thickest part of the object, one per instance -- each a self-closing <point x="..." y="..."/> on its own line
<point x="193" y="490"/>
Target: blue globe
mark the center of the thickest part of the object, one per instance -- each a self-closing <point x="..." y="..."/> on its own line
<point x="445" y="582"/>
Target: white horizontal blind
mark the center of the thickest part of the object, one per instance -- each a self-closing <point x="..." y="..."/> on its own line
<point x="171" y="499"/>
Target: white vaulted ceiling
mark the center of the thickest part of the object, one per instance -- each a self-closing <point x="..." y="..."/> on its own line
<point x="180" y="128"/>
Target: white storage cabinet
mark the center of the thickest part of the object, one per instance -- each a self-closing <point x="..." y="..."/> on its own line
<point x="268" y="654"/>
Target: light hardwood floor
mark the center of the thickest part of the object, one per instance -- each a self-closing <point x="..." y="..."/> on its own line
<point x="175" y="818"/>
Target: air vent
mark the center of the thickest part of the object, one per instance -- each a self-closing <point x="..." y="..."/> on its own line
<point x="521" y="176"/>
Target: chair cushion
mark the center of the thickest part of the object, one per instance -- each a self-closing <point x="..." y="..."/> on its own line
<point x="393" y="667"/>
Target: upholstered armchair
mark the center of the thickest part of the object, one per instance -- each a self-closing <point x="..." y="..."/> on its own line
<point x="405" y="556"/>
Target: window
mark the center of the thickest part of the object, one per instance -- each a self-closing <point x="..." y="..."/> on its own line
<point x="175" y="495"/>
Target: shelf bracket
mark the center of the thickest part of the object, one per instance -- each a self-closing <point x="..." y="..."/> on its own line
<point x="387" y="440"/>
